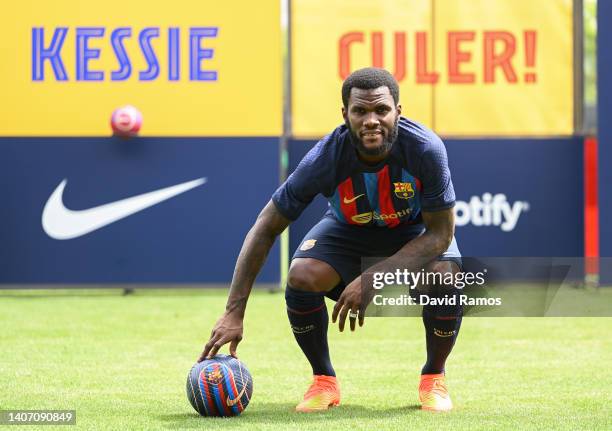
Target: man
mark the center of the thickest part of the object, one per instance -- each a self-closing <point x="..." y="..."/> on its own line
<point x="390" y="194"/>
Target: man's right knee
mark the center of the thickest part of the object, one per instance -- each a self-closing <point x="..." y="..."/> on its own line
<point x="312" y="275"/>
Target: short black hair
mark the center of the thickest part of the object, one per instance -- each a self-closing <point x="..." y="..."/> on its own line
<point x="369" y="78"/>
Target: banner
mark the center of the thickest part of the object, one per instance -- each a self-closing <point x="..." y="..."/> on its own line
<point x="465" y="68"/>
<point x="193" y="68"/>
<point x="326" y="47"/>
<point x="149" y="210"/>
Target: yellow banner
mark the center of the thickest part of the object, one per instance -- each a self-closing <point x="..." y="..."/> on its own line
<point x="465" y="68"/>
<point x="326" y="47"/>
<point x="193" y="68"/>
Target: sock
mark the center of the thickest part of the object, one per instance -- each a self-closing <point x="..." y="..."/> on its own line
<point x="308" y="318"/>
<point x="442" y="323"/>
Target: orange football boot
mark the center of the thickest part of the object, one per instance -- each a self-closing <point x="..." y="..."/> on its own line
<point x="321" y="395"/>
<point x="433" y="393"/>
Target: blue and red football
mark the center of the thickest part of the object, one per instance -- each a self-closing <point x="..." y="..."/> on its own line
<point x="221" y="386"/>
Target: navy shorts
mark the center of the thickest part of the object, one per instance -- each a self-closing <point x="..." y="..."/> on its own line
<point x="343" y="246"/>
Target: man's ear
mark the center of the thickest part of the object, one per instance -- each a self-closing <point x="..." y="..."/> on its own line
<point x="344" y="114"/>
<point x="399" y="109"/>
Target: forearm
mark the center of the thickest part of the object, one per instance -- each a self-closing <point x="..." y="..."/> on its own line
<point x="257" y="244"/>
<point x="252" y="256"/>
<point x="415" y="254"/>
<point x="440" y="228"/>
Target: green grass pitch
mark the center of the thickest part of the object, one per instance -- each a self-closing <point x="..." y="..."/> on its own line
<point x="122" y="363"/>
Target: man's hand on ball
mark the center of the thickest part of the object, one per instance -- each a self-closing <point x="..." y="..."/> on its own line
<point x="228" y="329"/>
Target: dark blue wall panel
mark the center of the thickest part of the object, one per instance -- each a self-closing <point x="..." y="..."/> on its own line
<point x="604" y="103"/>
<point x="194" y="237"/>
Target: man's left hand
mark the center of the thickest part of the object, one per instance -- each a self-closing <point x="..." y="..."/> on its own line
<point x="351" y="303"/>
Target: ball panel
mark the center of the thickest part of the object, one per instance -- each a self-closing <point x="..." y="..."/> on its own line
<point x="191" y="394"/>
<point x="234" y="398"/>
<point x="217" y="389"/>
<point x="245" y="380"/>
<point x="241" y="375"/>
<point x="206" y="391"/>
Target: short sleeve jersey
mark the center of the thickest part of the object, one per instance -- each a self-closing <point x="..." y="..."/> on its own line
<point x="414" y="177"/>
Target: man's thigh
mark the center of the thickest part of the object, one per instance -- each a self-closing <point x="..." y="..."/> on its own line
<point x="342" y="247"/>
<point x="336" y="245"/>
<point x="312" y="275"/>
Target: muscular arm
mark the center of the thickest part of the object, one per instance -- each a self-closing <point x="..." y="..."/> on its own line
<point x="269" y="224"/>
<point x="439" y="231"/>
<point x="228" y="329"/>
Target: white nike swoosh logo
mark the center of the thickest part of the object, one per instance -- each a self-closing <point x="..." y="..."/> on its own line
<point x="61" y="223"/>
<point x="348" y="201"/>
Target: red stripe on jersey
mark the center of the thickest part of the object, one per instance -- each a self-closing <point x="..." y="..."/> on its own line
<point x="385" y="201"/>
<point x="419" y="186"/>
<point x="345" y="189"/>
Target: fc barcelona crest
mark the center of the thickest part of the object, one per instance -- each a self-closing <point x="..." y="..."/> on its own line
<point x="214" y="376"/>
<point x="404" y="190"/>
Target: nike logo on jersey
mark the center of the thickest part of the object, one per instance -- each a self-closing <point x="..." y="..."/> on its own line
<point x="230" y="402"/>
<point x="60" y="222"/>
<point x="348" y="201"/>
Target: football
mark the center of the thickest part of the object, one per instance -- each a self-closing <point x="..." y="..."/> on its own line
<point x="126" y="121"/>
<point x="221" y="386"/>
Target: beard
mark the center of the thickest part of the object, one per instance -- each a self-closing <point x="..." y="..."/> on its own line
<point x="387" y="143"/>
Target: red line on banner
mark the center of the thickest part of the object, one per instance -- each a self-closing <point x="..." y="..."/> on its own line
<point x="591" y="209"/>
